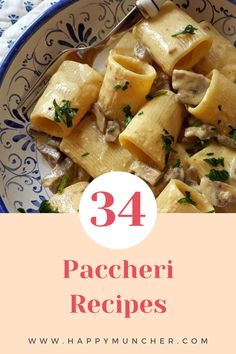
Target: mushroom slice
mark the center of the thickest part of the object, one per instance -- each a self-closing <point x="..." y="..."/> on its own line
<point x="219" y="194"/>
<point x="162" y="82"/>
<point x="147" y="173"/>
<point x="191" y="87"/>
<point x="191" y="176"/>
<point x="174" y="173"/>
<point x="66" y="167"/>
<point x="51" y="154"/>
<point x="69" y="200"/>
<point x="112" y="131"/>
<point x="226" y="141"/>
<point x="100" y="117"/>
<point x="142" y="53"/>
<point x="232" y="169"/>
<point x="205" y="131"/>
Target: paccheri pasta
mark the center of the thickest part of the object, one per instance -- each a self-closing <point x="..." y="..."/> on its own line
<point x="164" y="110"/>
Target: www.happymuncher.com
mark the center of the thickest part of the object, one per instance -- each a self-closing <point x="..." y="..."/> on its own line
<point x="117" y="341"/>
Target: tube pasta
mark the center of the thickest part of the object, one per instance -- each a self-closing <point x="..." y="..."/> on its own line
<point x="74" y="82"/>
<point x="181" y="52"/>
<point x="125" y="46"/>
<point x="218" y="151"/>
<point x="143" y="137"/>
<point x="169" y="199"/>
<point x="86" y="146"/>
<point x="69" y="201"/>
<point x="126" y="83"/>
<point x="218" y="106"/>
<point x="221" y="56"/>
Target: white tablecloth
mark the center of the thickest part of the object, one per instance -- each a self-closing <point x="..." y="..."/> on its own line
<point x="15" y="16"/>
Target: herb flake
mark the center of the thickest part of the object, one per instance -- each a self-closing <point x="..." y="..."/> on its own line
<point x="21" y="210"/>
<point x="46" y="207"/>
<point x="152" y="95"/>
<point x="64" y="114"/>
<point x="218" y="175"/>
<point x="189" y="29"/>
<point x="215" y="162"/>
<point x="177" y="164"/>
<point x="168" y="140"/>
<point x="85" y="154"/>
<point x="128" y="114"/>
<point x="187" y="199"/>
<point x="232" y="133"/>
<point x="64" y="182"/>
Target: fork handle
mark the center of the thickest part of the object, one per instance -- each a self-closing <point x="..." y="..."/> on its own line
<point x="149" y="8"/>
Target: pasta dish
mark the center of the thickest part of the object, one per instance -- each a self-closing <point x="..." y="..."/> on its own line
<point x="164" y="109"/>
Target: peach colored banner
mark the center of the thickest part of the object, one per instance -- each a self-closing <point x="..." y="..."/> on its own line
<point x="36" y="299"/>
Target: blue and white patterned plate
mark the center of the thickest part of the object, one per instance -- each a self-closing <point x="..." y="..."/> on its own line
<point x="69" y="23"/>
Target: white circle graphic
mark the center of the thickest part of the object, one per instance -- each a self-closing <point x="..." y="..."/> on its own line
<point x="118" y="210"/>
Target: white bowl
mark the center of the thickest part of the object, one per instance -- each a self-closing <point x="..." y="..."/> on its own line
<point x="66" y="24"/>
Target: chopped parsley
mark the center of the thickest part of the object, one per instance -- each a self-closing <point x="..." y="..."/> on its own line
<point x="187" y="199"/>
<point x="159" y="93"/>
<point x="189" y="29"/>
<point x="46" y="207"/>
<point x="64" y="182"/>
<point x="127" y="121"/>
<point x="141" y="113"/>
<point x="177" y="164"/>
<point x="168" y="140"/>
<point x="117" y="86"/>
<point x="210" y="154"/>
<point x="128" y="114"/>
<point x="218" y="175"/>
<point x="21" y="210"/>
<point x="232" y="133"/>
<point x="64" y="114"/>
<point x="85" y="154"/>
<point x="211" y="211"/>
<point x="123" y="87"/>
<point x="215" y="162"/>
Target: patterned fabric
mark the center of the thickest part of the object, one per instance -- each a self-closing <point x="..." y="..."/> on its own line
<point x="15" y="17"/>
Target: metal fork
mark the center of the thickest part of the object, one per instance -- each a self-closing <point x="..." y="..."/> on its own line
<point x="142" y="9"/>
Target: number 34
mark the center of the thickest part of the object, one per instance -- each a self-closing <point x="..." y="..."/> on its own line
<point x="134" y="201"/>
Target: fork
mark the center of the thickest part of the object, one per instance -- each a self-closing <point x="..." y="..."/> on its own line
<point x="142" y="9"/>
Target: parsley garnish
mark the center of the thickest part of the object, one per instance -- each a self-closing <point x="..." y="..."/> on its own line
<point x="141" y="113"/>
<point x="127" y="121"/>
<point x="123" y="87"/>
<point x="21" y="210"/>
<point x="177" y="164"/>
<point x="218" y="175"/>
<point x="168" y="140"/>
<point x="210" y="154"/>
<point x="211" y="211"/>
<point x="128" y="115"/>
<point x="232" y="133"/>
<point x="64" y="182"/>
<point x="127" y="111"/>
<point x="189" y="29"/>
<point x="159" y="93"/>
<point x="215" y="162"/>
<point x="46" y="207"/>
<point x="117" y="86"/>
<point x="187" y="199"/>
<point x="64" y="114"/>
<point x="85" y="154"/>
